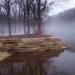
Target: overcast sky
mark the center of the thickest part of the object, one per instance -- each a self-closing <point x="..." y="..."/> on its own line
<point x="62" y="6"/>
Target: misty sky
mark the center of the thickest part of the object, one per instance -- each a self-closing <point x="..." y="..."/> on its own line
<point x="61" y="6"/>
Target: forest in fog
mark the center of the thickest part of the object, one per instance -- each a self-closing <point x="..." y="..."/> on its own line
<point x="22" y="16"/>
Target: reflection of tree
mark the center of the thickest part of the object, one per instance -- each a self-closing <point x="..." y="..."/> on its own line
<point x="22" y="68"/>
<point x="29" y="64"/>
<point x="29" y="67"/>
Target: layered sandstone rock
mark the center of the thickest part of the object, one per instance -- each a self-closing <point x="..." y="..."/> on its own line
<point x="31" y="44"/>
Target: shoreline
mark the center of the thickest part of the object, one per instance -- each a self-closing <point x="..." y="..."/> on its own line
<point x="25" y="36"/>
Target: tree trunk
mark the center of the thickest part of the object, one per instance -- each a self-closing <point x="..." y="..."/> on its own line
<point x="8" y="16"/>
<point x="15" y="24"/>
<point x="24" y="22"/>
<point x="28" y="15"/>
<point x="9" y="27"/>
<point x="39" y="17"/>
<point x="28" y="28"/>
<point x="39" y="28"/>
<point x="2" y="31"/>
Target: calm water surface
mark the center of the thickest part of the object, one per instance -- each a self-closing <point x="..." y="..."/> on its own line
<point x="62" y="63"/>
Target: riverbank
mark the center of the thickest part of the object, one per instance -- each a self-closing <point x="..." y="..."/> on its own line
<point x="33" y="46"/>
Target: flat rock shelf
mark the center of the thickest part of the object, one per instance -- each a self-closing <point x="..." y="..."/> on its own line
<point x="32" y="46"/>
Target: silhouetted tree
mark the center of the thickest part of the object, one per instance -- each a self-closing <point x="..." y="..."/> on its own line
<point x="31" y="10"/>
<point x="14" y="10"/>
<point x="22" y="4"/>
<point x="7" y="6"/>
<point x="38" y="9"/>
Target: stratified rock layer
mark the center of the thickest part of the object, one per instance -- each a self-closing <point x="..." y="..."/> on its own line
<point x="30" y="46"/>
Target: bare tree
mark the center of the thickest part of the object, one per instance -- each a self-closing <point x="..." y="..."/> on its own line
<point x="14" y="10"/>
<point x="38" y="8"/>
<point x="32" y="12"/>
<point x="25" y="6"/>
<point x="22" y="4"/>
<point x="7" y="6"/>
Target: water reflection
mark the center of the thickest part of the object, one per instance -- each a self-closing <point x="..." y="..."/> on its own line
<point x="23" y="64"/>
<point x="64" y="63"/>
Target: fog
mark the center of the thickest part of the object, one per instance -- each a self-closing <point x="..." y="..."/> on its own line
<point x="63" y="26"/>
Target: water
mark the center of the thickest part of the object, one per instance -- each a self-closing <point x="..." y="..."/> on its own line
<point x="24" y="64"/>
<point x="65" y="63"/>
<point x="60" y="63"/>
